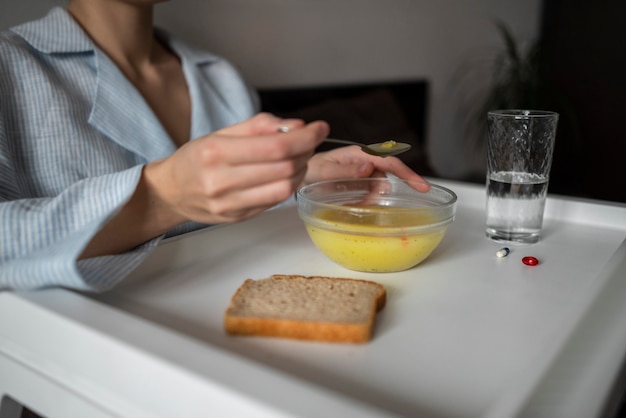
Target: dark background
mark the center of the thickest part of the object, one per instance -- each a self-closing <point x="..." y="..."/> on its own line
<point x="585" y="47"/>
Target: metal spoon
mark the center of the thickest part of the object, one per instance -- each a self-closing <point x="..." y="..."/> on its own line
<point x="381" y="149"/>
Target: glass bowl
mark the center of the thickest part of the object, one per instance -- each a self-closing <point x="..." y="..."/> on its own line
<point x="376" y="224"/>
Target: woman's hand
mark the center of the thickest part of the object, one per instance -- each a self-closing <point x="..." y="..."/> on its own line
<point x="237" y="172"/>
<point x="227" y="176"/>
<point x="352" y="162"/>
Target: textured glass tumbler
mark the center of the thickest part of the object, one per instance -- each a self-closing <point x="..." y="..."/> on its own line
<point x="520" y="144"/>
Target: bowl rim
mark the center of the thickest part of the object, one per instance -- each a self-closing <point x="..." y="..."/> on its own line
<point x="451" y="202"/>
<point x="446" y="210"/>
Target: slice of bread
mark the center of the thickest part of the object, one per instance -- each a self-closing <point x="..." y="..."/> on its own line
<point x="306" y="308"/>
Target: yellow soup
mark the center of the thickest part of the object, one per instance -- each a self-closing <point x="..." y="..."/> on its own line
<point x="381" y="243"/>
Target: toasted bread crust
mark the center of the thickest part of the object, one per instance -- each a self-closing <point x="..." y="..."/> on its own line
<point x="312" y="331"/>
<point x="327" y="331"/>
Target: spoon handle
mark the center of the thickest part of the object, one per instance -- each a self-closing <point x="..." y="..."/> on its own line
<point x="379" y="150"/>
<point x="342" y="141"/>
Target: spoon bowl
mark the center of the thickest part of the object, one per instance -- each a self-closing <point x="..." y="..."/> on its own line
<point x="380" y="149"/>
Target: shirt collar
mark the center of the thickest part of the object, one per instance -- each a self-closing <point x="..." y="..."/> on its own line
<point x="116" y="114"/>
<point x="69" y="37"/>
<point x="57" y="32"/>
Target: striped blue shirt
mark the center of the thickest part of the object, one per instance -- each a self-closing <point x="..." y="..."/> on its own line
<point x="74" y="136"/>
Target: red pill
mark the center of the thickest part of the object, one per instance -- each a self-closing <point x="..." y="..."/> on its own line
<point x="530" y="261"/>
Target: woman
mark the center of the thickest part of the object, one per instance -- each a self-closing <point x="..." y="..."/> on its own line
<point x="114" y="135"/>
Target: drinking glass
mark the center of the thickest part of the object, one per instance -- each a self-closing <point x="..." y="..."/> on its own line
<point x="520" y="144"/>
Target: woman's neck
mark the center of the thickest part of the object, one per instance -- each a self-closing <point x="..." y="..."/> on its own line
<point x="124" y="31"/>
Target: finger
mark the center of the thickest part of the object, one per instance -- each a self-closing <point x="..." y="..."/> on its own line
<point x="260" y="124"/>
<point x="396" y="167"/>
<point x="287" y="125"/>
<point x="391" y="165"/>
<point x="266" y="148"/>
<point x="352" y="162"/>
<point x="350" y="170"/>
<point x="241" y="204"/>
<point x="245" y="176"/>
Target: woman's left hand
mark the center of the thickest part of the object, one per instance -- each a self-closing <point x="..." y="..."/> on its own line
<point x="352" y="162"/>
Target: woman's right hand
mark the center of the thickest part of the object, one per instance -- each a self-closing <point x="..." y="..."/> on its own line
<point x="235" y="173"/>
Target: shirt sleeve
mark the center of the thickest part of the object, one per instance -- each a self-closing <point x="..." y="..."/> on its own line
<point x="73" y="137"/>
<point x="42" y="238"/>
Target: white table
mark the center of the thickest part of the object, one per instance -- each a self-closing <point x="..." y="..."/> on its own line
<point x="465" y="334"/>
